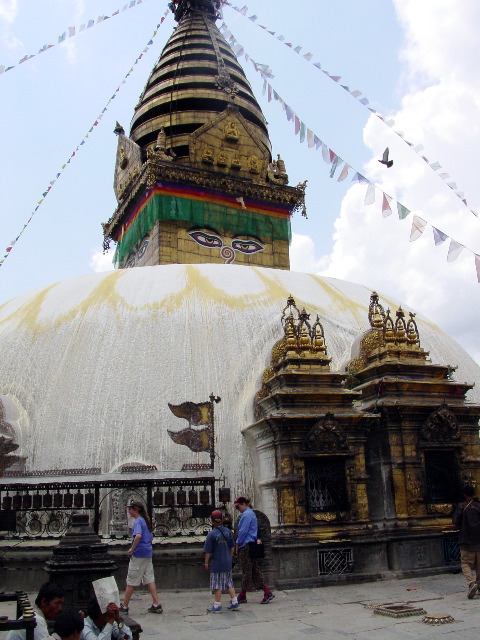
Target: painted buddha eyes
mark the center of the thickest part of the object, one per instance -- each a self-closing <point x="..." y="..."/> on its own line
<point x="212" y="241"/>
<point x="206" y="240"/>
<point x="246" y="246"/>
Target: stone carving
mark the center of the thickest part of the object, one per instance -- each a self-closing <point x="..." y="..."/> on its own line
<point x="222" y="159"/>
<point x="326" y="436"/>
<point x="253" y="164"/>
<point x="236" y="162"/>
<point x="208" y="156"/>
<point x="231" y="131"/>
<point x="441" y="426"/>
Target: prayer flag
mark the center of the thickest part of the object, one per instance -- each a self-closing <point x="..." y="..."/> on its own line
<point x="297" y="125"/>
<point x="336" y="161"/>
<point x="308" y="56"/>
<point x="359" y="178"/>
<point x="71" y="31"/>
<point x="318" y="142"/>
<point x="325" y="153"/>
<point x="269" y="96"/>
<point x="454" y="250"/>
<point x="344" y="173"/>
<point x="62" y="37"/>
<point x="402" y="211"/>
<point x="310" y="138"/>
<point x="356" y="93"/>
<point x="418" y="227"/>
<point x="303" y="130"/>
<point x="386" y="208"/>
<point x="477" y="266"/>
<point x="369" y="195"/>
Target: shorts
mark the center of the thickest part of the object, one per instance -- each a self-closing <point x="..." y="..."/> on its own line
<point x="221" y="581"/>
<point x="140" y="570"/>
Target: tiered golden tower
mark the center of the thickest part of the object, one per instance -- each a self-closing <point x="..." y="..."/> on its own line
<point x="195" y="180"/>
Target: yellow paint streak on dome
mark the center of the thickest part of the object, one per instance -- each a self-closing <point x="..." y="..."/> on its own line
<point x="27" y="314"/>
<point x="104" y="294"/>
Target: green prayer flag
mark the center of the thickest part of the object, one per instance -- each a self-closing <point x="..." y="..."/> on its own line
<point x="402" y="211"/>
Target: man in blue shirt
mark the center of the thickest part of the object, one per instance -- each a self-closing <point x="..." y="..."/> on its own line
<point x="252" y="576"/>
<point x="219" y="546"/>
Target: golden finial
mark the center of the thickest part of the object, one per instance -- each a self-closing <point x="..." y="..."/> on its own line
<point x="376" y="313"/>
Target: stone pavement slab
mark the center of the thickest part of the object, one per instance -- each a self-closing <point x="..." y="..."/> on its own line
<point x="329" y="613"/>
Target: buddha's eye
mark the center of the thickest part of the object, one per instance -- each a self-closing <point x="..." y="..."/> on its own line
<point x="142" y="249"/>
<point x="247" y="246"/>
<point x="205" y="239"/>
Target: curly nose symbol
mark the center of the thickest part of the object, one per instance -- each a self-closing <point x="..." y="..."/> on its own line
<point x="228" y="254"/>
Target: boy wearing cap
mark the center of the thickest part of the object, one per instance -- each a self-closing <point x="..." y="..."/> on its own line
<point x="218" y="548"/>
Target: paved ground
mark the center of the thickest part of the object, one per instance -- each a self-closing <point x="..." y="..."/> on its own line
<point x="330" y="613"/>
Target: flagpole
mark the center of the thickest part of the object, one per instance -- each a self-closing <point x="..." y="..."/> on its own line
<point x="213" y="399"/>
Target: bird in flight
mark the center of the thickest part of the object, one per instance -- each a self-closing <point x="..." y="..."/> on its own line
<point x="388" y="163"/>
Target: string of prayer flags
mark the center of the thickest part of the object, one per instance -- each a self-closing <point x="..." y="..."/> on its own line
<point x="9" y="248"/>
<point x="361" y="99"/>
<point x="72" y="31"/>
<point x="333" y="160"/>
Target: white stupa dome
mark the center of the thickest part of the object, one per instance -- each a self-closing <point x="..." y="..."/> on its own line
<point x="89" y="365"/>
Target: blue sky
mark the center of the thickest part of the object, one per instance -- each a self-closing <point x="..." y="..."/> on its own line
<point x="413" y="61"/>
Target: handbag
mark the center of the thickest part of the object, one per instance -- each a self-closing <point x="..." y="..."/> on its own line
<point x="256" y="550"/>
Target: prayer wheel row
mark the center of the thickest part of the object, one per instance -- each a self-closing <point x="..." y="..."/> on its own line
<point x="48" y="500"/>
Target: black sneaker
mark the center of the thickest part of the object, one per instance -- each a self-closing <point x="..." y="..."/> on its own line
<point x="242" y="599"/>
<point x="123" y="608"/>
<point x="155" y="608"/>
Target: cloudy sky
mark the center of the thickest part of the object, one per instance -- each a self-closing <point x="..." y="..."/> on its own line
<point x="415" y="62"/>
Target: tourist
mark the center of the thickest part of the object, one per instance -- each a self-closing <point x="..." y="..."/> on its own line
<point x="467" y="519"/>
<point x="140" y="568"/>
<point x="68" y="626"/>
<point x="252" y="576"/>
<point x="104" y="626"/>
<point x="49" y="602"/>
<point x="219" y="548"/>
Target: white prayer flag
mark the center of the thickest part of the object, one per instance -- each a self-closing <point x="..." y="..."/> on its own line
<point x="454" y="250"/>
<point x="418" y="227"/>
<point x="370" y="194"/>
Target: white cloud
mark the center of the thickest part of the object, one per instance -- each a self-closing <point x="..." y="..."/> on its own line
<point x="441" y="109"/>
<point x="100" y="261"/>
<point x="302" y="255"/>
<point x="8" y="10"/>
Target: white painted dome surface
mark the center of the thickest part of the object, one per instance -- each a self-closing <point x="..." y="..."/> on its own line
<point x="89" y="365"/>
